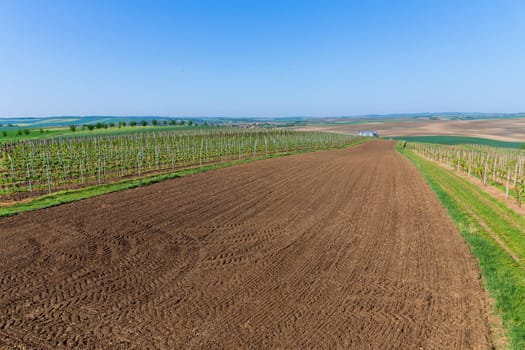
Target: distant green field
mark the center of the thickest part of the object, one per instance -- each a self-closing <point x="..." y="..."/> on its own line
<point x="457" y="140"/>
<point x="45" y="133"/>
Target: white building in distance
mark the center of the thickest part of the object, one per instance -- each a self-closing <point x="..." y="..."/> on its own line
<point x="369" y="133"/>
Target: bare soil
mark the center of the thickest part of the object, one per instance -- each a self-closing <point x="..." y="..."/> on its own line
<point x="511" y="129"/>
<point x="328" y="250"/>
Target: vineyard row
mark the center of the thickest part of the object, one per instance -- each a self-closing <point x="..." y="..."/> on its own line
<point x="36" y="167"/>
<point x="501" y="167"/>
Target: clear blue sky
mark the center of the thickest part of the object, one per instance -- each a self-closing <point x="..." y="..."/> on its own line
<point x="260" y="58"/>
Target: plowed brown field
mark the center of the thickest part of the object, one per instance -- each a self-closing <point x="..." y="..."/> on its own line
<point x="505" y="129"/>
<point x="327" y="250"/>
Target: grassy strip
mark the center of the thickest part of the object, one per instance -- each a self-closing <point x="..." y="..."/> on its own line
<point x="508" y="225"/>
<point x="458" y="140"/>
<point x="502" y="276"/>
<point x="63" y="197"/>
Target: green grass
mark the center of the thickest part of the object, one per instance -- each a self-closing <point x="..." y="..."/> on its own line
<point x="503" y="277"/>
<point x="458" y="140"/>
<point x="69" y="196"/>
<point x="47" y="133"/>
<point x="34" y="134"/>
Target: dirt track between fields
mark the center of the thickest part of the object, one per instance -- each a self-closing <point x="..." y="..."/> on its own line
<point x="328" y="250"/>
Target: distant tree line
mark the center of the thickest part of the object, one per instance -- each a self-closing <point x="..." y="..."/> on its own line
<point x="101" y="125"/>
<point x="143" y="122"/>
<point x="21" y="132"/>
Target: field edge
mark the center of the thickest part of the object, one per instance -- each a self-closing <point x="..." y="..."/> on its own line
<point x="502" y="277"/>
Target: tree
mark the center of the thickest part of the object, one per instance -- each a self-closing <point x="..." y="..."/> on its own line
<point x="111" y="125"/>
<point x="190" y="122"/>
<point x="164" y="122"/>
<point x="173" y="122"/>
<point x="4" y="133"/>
<point x="18" y="132"/>
<point x="181" y="122"/>
<point x="143" y="122"/>
<point x="132" y="123"/>
<point x="73" y="128"/>
<point x="91" y="127"/>
<point x="154" y="122"/>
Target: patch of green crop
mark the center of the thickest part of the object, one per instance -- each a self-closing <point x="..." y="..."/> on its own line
<point x="17" y="133"/>
<point x="458" y="140"/>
